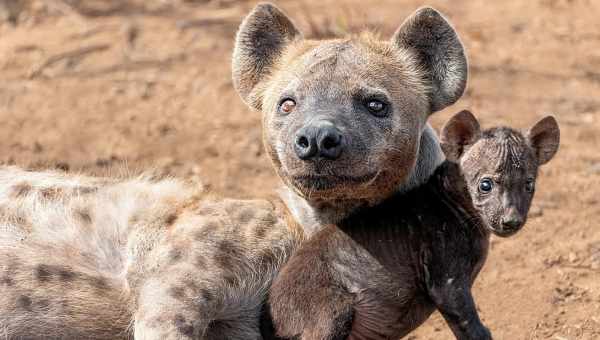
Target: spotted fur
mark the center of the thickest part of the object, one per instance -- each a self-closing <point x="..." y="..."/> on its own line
<point x="94" y="258"/>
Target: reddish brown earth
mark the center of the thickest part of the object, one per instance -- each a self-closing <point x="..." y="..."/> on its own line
<point x="92" y="86"/>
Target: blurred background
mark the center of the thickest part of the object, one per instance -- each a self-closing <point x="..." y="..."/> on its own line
<point x="99" y="85"/>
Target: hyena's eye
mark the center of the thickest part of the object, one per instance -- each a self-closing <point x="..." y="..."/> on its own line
<point x="530" y="185"/>
<point x="287" y="106"/>
<point x="377" y="107"/>
<point x="486" y="185"/>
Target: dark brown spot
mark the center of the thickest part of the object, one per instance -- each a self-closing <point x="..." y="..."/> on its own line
<point x="191" y="284"/>
<point x="9" y="271"/>
<point x="84" y="190"/>
<point x="43" y="272"/>
<point x="246" y="216"/>
<point x="6" y="281"/>
<point x="66" y="275"/>
<point x="171" y="218"/>
<point x="21" y="190"/>
<point x="206" y="295"/>
<point x="84" y="215"/>
<point x="261" y="230"/>
<point x="22" y="222"/>
<point x="51" y="193"/>
<point x="223" y="254"/>
<point x="175" y="255"/>
<point x="230" y="278"/>
<point x="98" y="282"/>
<point x="24" y="302"/>
<point x="177" y="292"/>
<point x="183" y="325"/>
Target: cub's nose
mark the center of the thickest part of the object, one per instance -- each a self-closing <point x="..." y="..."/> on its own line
<point x="319" y="140"/>
<point x="512" y="222"/>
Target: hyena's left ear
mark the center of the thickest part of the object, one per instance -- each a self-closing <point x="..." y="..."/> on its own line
<point x="544" y="138"/>
<point x="439" y="53"/>
<point x="261" y="39"/>
<point x="458" y="133"/>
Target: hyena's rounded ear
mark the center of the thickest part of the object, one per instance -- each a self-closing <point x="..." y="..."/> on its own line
<point x="439" y="53"/>
<point x="544" y="138"/>
<point x="458" y="133"/>
<point x="261" y="39"/>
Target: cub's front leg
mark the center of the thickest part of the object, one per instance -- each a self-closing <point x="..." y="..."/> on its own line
<point x="449" y="287"/>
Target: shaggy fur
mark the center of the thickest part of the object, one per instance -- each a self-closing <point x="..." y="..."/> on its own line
<point x="104" y="259"/>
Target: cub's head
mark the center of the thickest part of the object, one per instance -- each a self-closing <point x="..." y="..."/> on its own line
<point x="500" y="166"/>
<point x="343" y="118"/>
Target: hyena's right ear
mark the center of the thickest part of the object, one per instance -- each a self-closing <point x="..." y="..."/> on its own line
<point x="459" y="132"/>
<point x="439" y="52"/>
<point x="261" y="39"/>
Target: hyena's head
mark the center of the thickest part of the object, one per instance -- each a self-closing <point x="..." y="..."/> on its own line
<point x="499" y="166"/>
<point x="343" y="118"/>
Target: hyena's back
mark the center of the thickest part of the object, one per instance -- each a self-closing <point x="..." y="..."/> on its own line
<point x="63" y="251"/>
<point x="84" y="257"/>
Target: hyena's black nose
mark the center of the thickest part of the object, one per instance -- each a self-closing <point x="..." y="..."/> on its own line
<point x="319" y="140"/>
<point x="512" y="222"/>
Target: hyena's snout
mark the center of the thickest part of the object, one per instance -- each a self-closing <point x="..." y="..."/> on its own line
<point x="321" y="139"/>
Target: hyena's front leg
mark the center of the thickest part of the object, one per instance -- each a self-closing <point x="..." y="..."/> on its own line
<point x="188" y="306"/>
<point x="168" y="312"/>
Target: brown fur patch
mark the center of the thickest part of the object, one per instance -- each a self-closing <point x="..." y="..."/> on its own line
<point x="43" y="273"/>
<point x="170" y="219"/>
<point x="177" y="292"/>
<point x="21" y="190"/>
<point x="183" y="325"/>
<point x="51" y="193"/>
<point x="84" y="215"/>
<point x="206" y="295"/>
<point x="226" y="254"/>
<point x="24" y="302"/>
<point x="246" y="216"/>
<point x="175" y="255"/>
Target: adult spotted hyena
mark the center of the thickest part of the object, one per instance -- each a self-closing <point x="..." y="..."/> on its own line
<point x="345" y="125"/>
<point x="345" y="120"/>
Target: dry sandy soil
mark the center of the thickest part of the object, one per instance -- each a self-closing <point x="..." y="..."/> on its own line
<point x="100" y="84"/>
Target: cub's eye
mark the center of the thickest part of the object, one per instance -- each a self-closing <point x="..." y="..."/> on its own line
<point x="530" y="185"/>
<point x="486" y="185"/>
<point x="287" y="106"/>
<point x="377" y="107"/>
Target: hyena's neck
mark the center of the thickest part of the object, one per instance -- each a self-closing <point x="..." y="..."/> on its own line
<point x="312" y="215"/>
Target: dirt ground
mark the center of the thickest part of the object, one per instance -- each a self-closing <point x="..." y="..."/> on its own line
<point x="100" y="85"/>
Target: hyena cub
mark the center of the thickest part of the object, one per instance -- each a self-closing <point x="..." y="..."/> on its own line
<point x="383" y="270"/>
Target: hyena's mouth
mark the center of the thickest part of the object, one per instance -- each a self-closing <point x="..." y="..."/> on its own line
<point x="328" y="182"/>
<point x="503" y="231"/>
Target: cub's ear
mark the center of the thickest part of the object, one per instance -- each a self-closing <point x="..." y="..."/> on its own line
<point x="260" y="41"/>
<point x="438" y="51"/>
<point x="544" y="138"/>
<point x="459" y="132"/>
